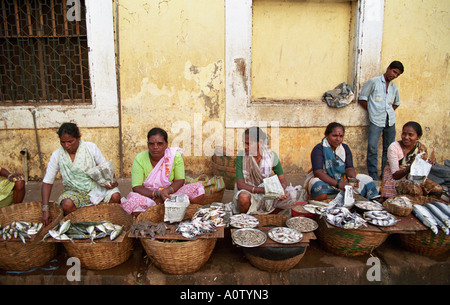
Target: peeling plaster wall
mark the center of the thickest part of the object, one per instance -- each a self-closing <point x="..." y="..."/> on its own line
<point x="172" y="70"/>
<point x="424" y="48"/>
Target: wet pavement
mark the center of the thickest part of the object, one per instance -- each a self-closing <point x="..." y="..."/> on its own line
<point x="389" y="264"/>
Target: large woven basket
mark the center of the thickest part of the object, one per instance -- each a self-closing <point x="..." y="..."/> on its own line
<point x="272" y="265"/>
<point x="225" y="166"/>
<point x="176" y="257"/>
<point x="101" y="255"/>
<point x="426" y="243"/>
<point x="345" y="242"/>
<point x="214" y="197"/>
<point x="14" y="255"/>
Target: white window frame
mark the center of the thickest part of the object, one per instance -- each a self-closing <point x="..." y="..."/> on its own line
<point x="240" y="112"/>
<point x="103" y="112"/>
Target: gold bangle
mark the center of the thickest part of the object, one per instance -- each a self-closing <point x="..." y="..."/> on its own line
<point x="253" y="189"/>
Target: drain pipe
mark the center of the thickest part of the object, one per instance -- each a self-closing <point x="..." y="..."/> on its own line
<point x="33" y="113"/>
<point x="24" y="153"/>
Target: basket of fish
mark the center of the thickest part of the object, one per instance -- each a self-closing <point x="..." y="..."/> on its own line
<point x="22" y="230"/>
<point x="175" y="256"/>
<point x="434" y="241"/>
<point x="347" y="235"/>
<point x="399" y="205"/>
<point x="96" y="235"/>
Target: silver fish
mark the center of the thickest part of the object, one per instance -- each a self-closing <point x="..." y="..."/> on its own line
<point x="443" y="207"/>
<point x="116" y="233"/>
<point x="64" y="227"/>
<point x="425" y="217"/>
<point x="438" y="214"/>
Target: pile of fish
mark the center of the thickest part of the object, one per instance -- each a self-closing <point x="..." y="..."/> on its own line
<point x="434" y="215"/>
<point x="341" y="217"/>
<point x="369" y="205"/>
<point x="20" y="229"/>
<point x="205" y="220"/>
<point x="144" y="228"/>
<point x="249" y="237"/>
<point x="380" y="218"/>
<point x="302" y="224"/>
<point x="84" y="230"/>
<point x="244" y="221"/>
<point x="285" y="235"/>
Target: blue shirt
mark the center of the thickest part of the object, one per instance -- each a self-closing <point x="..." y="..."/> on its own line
<point x="379" y="102"/>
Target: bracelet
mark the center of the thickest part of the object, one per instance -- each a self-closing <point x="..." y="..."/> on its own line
<point x="253" y="189"/>
<point x="171" y="190"/>
<point x="337" y="183"/>
<point x="45" y="207"/>
<point x="9" y="176"/>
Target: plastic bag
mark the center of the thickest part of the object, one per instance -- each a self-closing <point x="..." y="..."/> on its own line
<point x="175" y="208"/>
<point x="103" y="174"/>
<point x="419" y="169"/>
<point x="272" y="188"/>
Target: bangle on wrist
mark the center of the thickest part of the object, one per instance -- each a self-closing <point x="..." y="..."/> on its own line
<point x="337" y="183"/>
<point x="9" y="176"/>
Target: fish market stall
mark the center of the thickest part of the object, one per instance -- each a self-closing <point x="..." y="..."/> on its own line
<point x="21" y="232"/>
<point x="272" y="242"/>
<point x="364" y="226"/>
<point x="183" y="246"/>
<point x="96" y="234"/>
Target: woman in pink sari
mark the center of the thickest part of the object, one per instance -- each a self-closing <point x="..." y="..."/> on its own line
<point x="157" y="173"/>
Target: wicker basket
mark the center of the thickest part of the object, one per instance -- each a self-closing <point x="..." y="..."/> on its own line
<point x="272" y="265"/>
<point x="345" y="242"/>
<point x="272" y="220"/>
<point x="101" y="255"/>
<point x="179" y="257"/>
<point x="224" y="166"/>
<point x="396" y="209"/>
<point x="269" y="264"/>
<point x="14" y="255"/>
<point x="426" y="243"/>
<point x="215" y="197"/>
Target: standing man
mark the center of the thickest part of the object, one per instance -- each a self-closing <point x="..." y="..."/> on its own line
<point x="380" y="98"/>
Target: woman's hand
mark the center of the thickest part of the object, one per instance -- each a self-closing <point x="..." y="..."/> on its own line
<point x="15" y="177"/>
<point x="46" y="218"/>
<point x="164" y="194"/>
<point x="111" y="185"/>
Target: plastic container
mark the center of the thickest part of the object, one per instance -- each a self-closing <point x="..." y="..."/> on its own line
<point x="295" y="211"/>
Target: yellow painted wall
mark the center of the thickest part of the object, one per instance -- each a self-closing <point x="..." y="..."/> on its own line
<point x="418" y="34"/>
<point x="172" y="59"/>
<point x="300" y="49"/>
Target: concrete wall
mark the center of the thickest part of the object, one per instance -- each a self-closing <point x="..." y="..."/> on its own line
<point x="172" y="69"/>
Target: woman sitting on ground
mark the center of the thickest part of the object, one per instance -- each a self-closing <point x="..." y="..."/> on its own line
<point x="12" y="188"/>
<point x="401" y="155"/>
<point x="157" y="173"/>
<point x="73" y="159"/>
<point x="332" y="168"/>
<point x="253" y="165"/>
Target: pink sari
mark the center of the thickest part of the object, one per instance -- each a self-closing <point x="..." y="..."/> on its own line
<point x="158" y="179"/>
